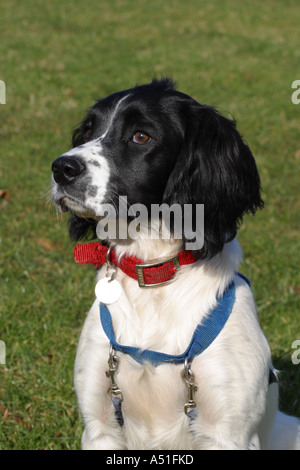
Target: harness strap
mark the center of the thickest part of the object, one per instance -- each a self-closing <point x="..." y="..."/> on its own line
<point x="205" y="333"/>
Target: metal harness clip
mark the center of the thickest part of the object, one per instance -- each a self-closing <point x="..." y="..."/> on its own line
<point x="188" y="377"/>
<point x="113" y="362"/>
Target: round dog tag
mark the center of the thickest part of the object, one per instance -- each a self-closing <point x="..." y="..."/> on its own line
<point x="108" y="291"/>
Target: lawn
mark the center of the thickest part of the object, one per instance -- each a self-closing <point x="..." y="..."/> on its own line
<point x="57" y="57"/>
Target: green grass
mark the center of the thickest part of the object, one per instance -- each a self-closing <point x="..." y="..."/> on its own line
<point x="56" y="58"/>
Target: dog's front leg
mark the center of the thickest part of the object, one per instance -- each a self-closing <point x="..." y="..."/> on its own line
<point x="100" y="441"/>
<point x="102" y="432"/>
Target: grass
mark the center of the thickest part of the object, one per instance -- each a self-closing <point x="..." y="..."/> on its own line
<point x="56" y="58"/>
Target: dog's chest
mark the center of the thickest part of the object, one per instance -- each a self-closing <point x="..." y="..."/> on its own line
<point x="161" y="319"/>
<point x="153" y="401"/>
<point x="154" y="397"/>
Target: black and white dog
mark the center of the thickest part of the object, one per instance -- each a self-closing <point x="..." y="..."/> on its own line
<point x="174" y="381"/>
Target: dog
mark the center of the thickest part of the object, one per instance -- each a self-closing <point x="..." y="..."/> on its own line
<point x="154" y="373"/>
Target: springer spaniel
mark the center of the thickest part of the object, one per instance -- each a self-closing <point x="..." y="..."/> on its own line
<point x="156" y="372"/>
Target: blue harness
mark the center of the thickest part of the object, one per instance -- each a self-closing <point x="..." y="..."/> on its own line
<point x="204" y="334"/>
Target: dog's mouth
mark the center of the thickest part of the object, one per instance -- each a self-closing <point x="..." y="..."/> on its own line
<point x="67" y="203"/>
<point x="62" y="205"/>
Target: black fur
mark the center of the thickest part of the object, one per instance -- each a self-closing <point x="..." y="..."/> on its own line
<point x="197" y="157"/>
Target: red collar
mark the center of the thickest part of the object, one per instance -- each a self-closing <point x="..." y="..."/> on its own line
<point x="157" y="272"/>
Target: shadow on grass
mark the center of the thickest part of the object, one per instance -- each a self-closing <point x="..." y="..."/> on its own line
<point x="289" y="385"/>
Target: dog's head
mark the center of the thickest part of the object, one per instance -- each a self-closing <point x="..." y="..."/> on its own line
<point x="156" y="145"/>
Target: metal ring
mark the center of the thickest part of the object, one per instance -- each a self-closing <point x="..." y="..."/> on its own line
<point x="113" y="358"/>
<point x="188" y="374"/>
<point x="110" y="265"/>
<point x="108" y="254"/>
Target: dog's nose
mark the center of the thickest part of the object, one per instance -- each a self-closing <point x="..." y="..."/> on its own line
<point x="66" y="169"/>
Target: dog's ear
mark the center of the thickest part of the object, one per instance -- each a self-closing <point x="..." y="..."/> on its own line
<point x="215" y="168"/>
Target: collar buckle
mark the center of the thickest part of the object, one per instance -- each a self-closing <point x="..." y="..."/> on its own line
<point x="140" y="273"/>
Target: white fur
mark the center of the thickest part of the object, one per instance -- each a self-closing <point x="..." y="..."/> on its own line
<point x="235" y="405"/>
<point x="99" y="177"/>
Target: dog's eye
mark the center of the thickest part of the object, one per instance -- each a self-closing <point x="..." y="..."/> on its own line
<point x="87" y="134"/>
<point x="140" y="138"/>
